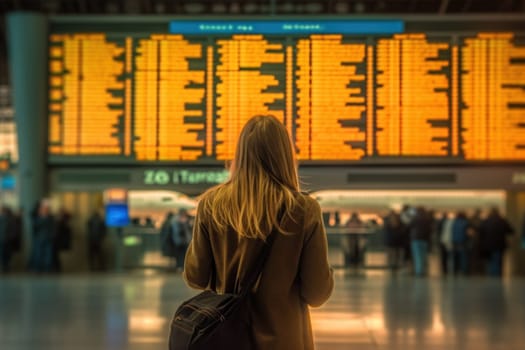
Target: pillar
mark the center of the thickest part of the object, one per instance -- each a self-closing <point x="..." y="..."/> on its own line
<point x="27" y="36"/>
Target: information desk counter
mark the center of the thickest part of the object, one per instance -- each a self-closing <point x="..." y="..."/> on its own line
<point x="140" y="247"/>
<point x="353" y="243"/>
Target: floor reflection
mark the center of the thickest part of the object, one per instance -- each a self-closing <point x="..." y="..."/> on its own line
<point x="366" y="311"/>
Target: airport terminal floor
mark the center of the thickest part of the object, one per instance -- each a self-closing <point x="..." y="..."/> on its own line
<point x="368" y="310"/>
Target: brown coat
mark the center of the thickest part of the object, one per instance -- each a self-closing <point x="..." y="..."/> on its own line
<point x="296" y="274"/>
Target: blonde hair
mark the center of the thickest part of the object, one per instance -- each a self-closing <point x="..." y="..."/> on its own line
<point x="263" y="179"/>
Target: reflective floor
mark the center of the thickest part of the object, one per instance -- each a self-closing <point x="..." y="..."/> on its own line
<point x="372" y="311"/>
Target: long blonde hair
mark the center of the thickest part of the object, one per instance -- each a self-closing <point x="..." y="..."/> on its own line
<point x="263" y="179"/>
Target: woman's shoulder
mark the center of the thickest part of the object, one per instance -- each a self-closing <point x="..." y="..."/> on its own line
<point x="207" y="197"/>
<point x="307" y="198"/>
<point x="307" y="203"/>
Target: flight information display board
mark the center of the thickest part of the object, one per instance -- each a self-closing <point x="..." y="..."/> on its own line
<point x="346" y="91"/>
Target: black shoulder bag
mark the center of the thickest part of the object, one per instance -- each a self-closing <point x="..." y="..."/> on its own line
<point x="217" y="321"/>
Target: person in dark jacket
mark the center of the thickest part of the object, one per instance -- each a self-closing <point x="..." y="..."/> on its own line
<point x="523" y="233"/>
<point x="353" y="249"/>
<point x="44" y="229"/>
<point x="96" y="232"/>
<point x="62" y="239"/>
<point x="444" y="229"/>
<point x="5" y="239"/>
<point x="17" y="231"/>
<point x="181" y="235"/>
<point x="166" y="239"/>
<point x="33" y="214"/>
<point x="394" y="239"/>
<point x="494" y="231"/>
<point x="475" y="261"/>
<point x="460" y="228"/>
<point x="420" y="232"/>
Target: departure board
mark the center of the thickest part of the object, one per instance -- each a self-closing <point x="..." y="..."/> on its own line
<point x="355" y="95"/>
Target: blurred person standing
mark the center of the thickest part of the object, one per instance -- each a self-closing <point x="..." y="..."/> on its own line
<point x="407" y="216"/>
<point x="63" y="238"/>
<point x="44" y="231"/>
<point x="261" y="204"/>
<point x="337" y="218"/>
<point x="33" y="255"/>
<point x="523" y="232"/>
<point x="166" y="239"/>
<point x="350" y="242"/>
<point x="394" y="239"/>
<point x="460" y="228"/>
<point x="18" y="232"/>
<point x="5" y="238"/>
<point x="181" y="235"/>
<point x="494" y="231"/>
<point x="445" y="241"/>
<point x="475" y="261"/>
<point x="96" y="233"/>
<point x="420" y="231"/>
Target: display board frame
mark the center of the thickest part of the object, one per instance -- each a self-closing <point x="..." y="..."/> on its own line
<point x="432" y="25"/>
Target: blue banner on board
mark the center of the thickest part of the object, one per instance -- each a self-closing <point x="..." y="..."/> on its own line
<point x="288" y="27"/>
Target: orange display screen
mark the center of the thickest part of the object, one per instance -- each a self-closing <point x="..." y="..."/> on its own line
<point x="175" y="98"/>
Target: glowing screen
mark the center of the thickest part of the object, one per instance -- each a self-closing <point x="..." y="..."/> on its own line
<point x="344" y="97"/>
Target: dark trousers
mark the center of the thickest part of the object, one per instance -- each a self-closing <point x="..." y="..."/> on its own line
<point x="443" y="257"/>
<point x="5" y="256"/>
<point x="460" y="259"/>
<point x="180" y="255"/>
<point x="44" y="255"/>
<point x="56" y="263"/>
<point x="495" y="263"/>
<point x="395" y="256"/>
<point x="475" y="261"/>
<point x="96" y="258"/>
<point x="420" y="256"/>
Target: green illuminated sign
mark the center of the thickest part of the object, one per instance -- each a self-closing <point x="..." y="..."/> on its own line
<point x="131" y="241"/>
<point x="184" y="177"/>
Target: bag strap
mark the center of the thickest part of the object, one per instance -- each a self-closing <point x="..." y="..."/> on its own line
<point x="263" y="257"/>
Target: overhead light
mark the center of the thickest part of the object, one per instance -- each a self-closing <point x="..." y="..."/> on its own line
<point x="235" y="7"/>
<point x="112" y="7"/>
<point x="159" y="7"/>
<point x="287" y="7"/>
<point x="380" y="6"/>
<point x="251" y="7"/>
<point x="194" y="7"/>
<point x="342" y="7"/>
<point x="219" y="8"/>
<point x="314" y="7"/>
<point x="52" y="6"/>
<point x="264" y="8"/>
<point x="359" y="7"/>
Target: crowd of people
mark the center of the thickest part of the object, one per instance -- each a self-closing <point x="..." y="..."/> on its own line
<point x="467" y="245"/>
<point x="51" y="234"/>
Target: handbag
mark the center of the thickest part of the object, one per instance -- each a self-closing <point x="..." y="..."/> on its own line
<point x="217" y="321"/>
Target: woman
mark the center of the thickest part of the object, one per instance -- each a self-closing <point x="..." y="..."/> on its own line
<point x="234" y="218"/>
